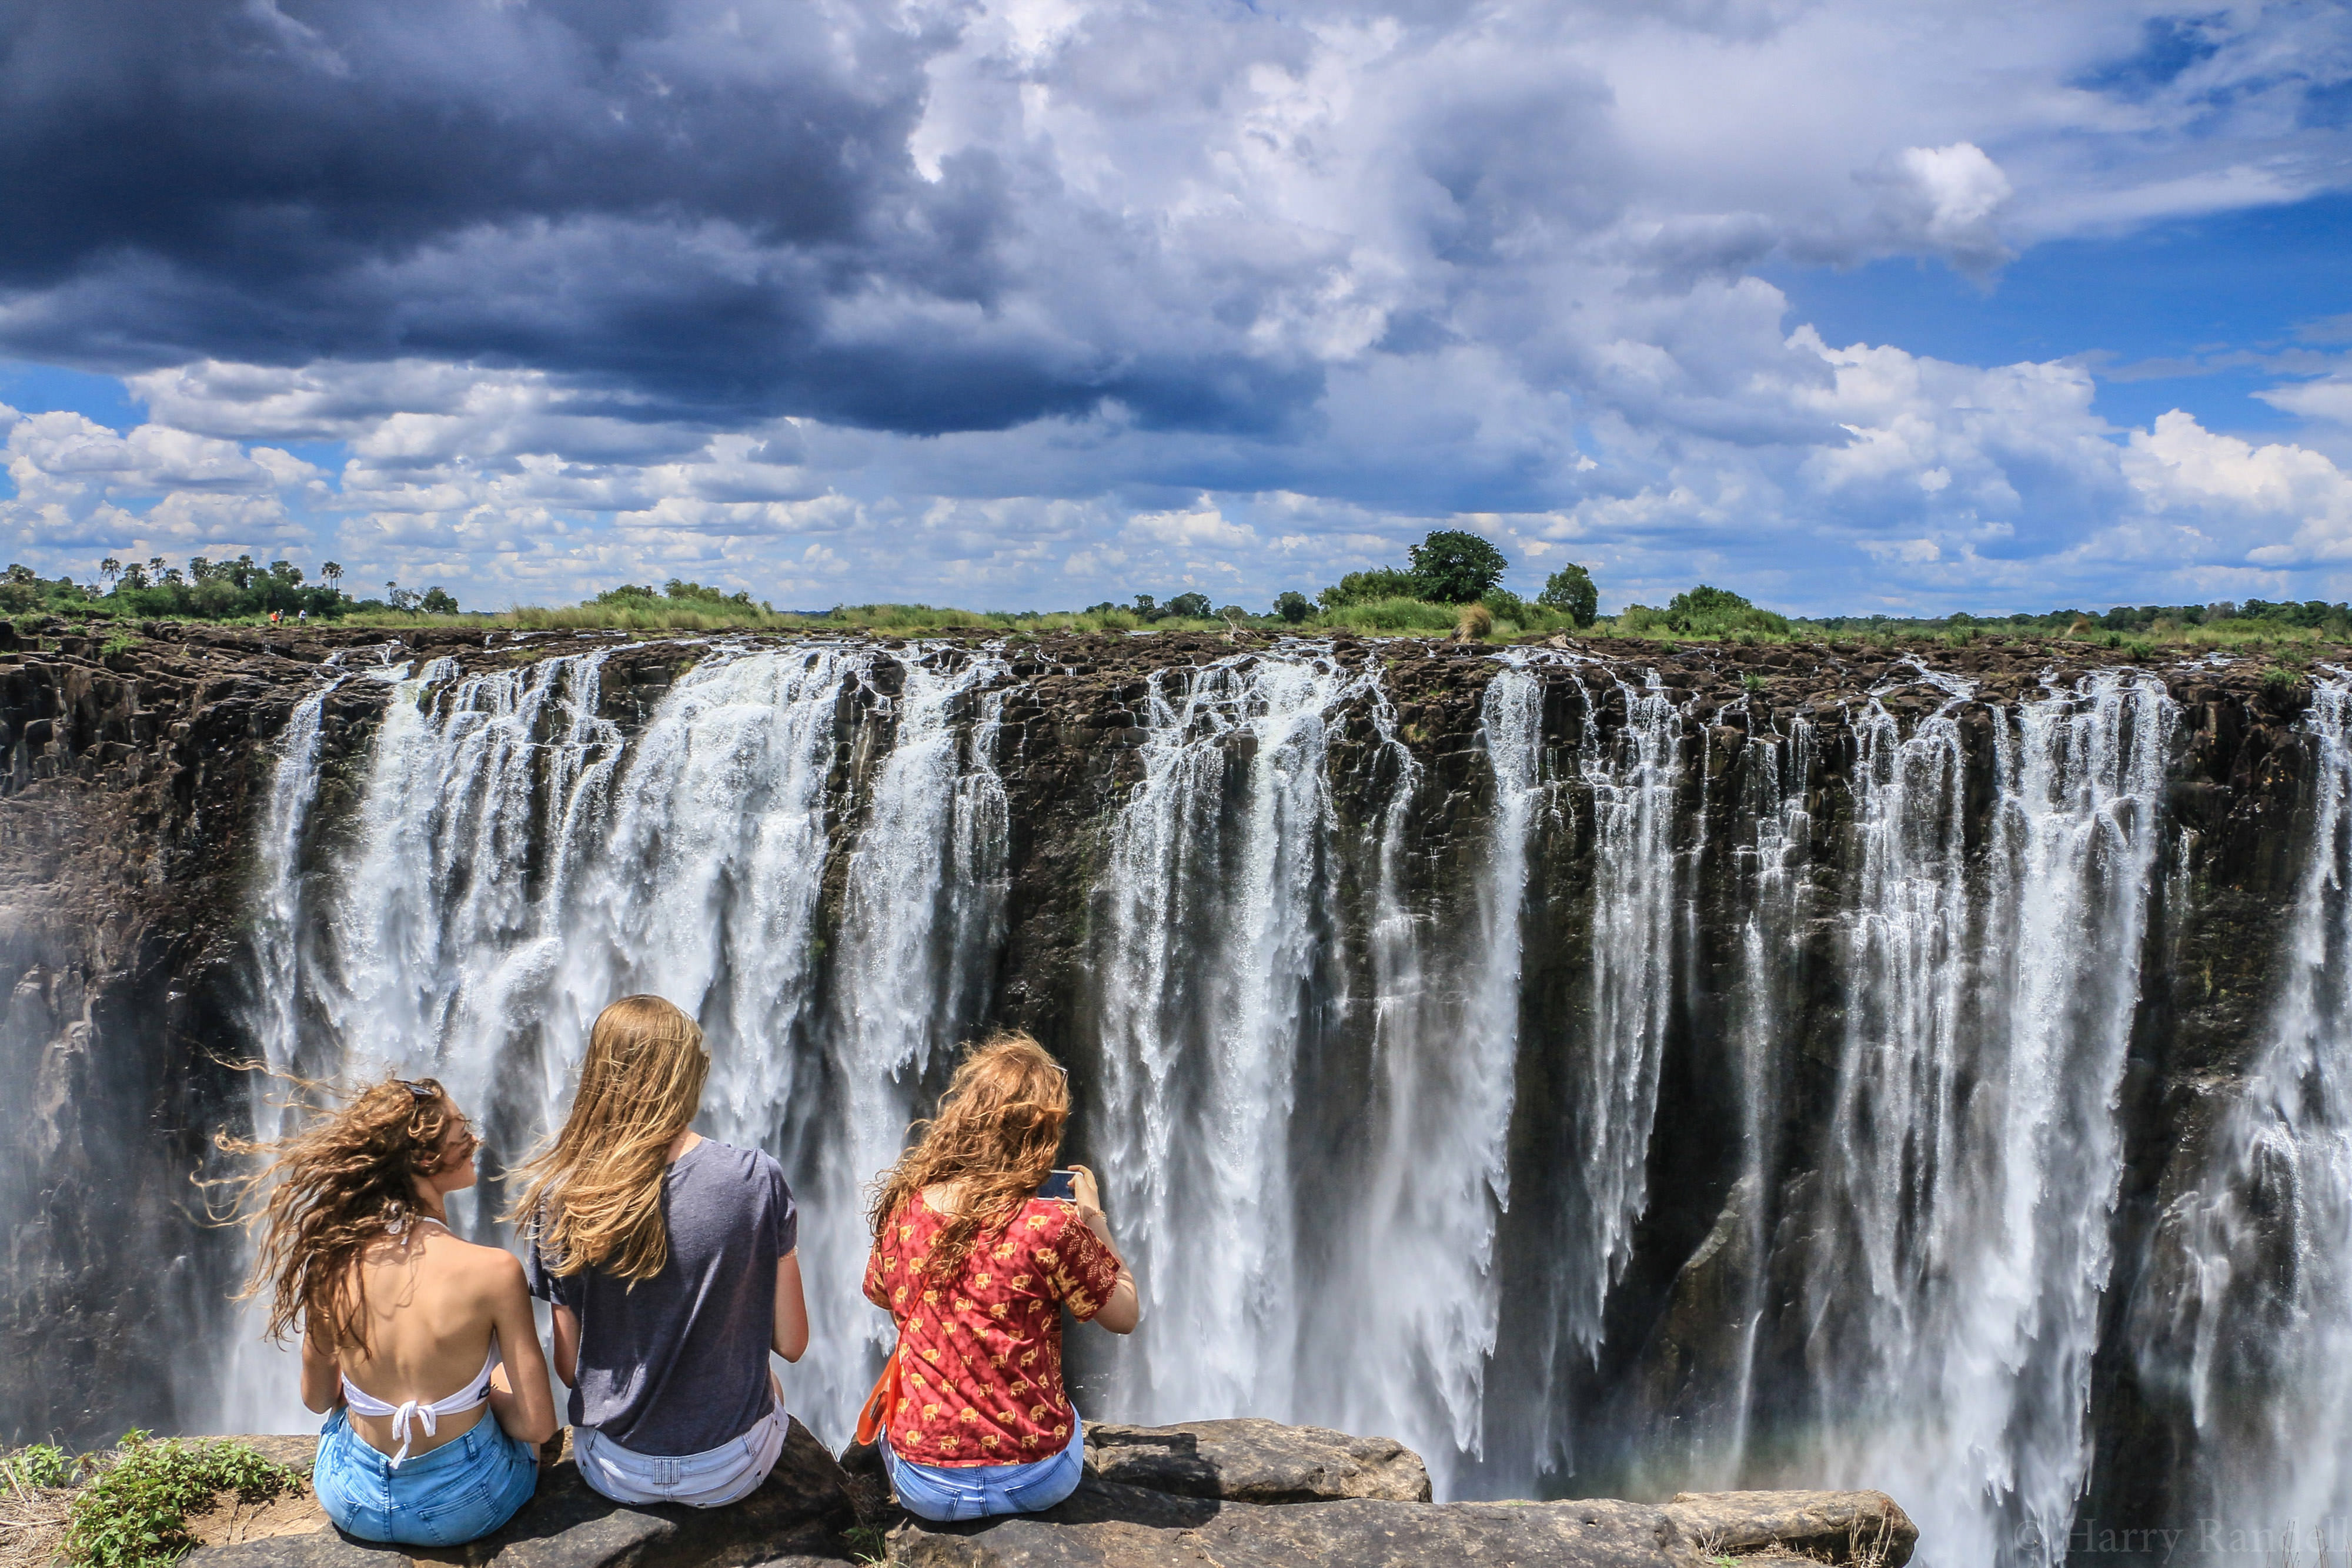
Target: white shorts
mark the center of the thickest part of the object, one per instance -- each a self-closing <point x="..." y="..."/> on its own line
<point x="728" y="1473"/>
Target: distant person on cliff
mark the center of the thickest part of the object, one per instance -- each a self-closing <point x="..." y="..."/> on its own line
<point x="672" y="1264"/>
<point x="409" y="1334"/>
<point x="975" y="1268"/>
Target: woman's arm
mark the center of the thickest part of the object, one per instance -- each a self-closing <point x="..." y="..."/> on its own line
<point x="322" y="1377"/>
<point x="519" y="1398"/>
<point x="1122" y="1310"/>
<point x="791" y="1308"/>
<point x="567" y="1344"/>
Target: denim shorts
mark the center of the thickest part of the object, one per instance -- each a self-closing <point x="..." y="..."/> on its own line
<point x="944" y="1494"/>
<point x="447" y="1496"/>
<point x="713" y="1479"/>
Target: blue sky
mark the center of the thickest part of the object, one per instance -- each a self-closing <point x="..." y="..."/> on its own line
<point x="1015" y="303"/>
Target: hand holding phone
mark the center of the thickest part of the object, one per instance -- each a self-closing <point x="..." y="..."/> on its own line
<point x="1060" y="1186"/>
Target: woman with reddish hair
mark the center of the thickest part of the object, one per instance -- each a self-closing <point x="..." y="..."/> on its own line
<point x="975" y="1268"/>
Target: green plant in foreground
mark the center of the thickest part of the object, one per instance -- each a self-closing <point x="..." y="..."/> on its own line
<point x="121" y="642"/>
<point x="867" y="1544"/>
<point x="1751" y="681"/>
<point x="135" y="1514"/>
<point x="41" y="1465"/>
<point x="2278" y="679"/>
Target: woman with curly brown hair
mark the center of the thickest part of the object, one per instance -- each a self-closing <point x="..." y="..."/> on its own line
<point x="404" y="1326"/>
<point x="976" y="1268"/>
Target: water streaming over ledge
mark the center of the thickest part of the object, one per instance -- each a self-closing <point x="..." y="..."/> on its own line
<point x="1377" y="1105"/>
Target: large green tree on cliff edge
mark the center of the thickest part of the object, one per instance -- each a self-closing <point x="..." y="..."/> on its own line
<point x="1451" y="567"/>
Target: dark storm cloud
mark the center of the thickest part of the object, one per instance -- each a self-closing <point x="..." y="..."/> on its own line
<point x="684" y="201"/>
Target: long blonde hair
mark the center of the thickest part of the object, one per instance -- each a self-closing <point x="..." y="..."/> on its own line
<point x="997" y="1130"/>
<point x="593" y="1198"/>
<point x="345" y="1182"/>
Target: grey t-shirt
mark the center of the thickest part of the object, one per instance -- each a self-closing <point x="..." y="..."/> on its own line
<point x="679" y="1364"/>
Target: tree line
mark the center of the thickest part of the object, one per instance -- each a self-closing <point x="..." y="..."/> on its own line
<point x="206" y="589"/>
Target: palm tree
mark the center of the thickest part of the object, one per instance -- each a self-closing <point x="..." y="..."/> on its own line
<point x="333" y="573"/>
<point x="110" y="568"/>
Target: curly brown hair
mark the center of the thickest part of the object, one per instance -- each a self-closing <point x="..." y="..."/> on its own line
<point x="998" y="1128"/>
<point x="335" y="1188"/>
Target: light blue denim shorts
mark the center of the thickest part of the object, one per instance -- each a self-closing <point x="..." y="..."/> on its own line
<point x="458" y="1492"/>
<point x="944" y="1494"/>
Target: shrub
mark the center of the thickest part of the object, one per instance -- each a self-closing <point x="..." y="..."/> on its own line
<point x="1505" y="605"/>
<point x="1474" y="621"/>
<point x="1372" y="586"/>
<point x="1294" y="607"/>
<point x="1570" y="591"/>
<point x="40" y="1465"/>
<point x="1451" y="567"/>
<point x="135" y="1514"/>
<point x="1392" y="615"/>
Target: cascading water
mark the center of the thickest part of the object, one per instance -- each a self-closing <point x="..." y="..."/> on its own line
<point x="1974" y="1156"/>
<point x="1212" y="930"/>
<point x="2262" y="1334"/>
<point x="1309" y="1017"/>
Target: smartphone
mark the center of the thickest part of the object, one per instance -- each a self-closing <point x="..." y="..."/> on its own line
<point x="1062" y="1184"/>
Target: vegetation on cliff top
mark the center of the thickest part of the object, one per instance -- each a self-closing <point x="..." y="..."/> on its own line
<point x="1445" y="575"/>
<point x="128" y="1507"/>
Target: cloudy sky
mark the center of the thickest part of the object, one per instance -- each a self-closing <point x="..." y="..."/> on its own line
<point x="1848" y="304"/>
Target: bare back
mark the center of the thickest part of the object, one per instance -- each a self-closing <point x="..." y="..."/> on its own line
<point x="434" y="1304"/>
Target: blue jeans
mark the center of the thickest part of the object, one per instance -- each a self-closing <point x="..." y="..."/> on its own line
<point x="458" y="1492"/>
<point x="944" y="1494"/>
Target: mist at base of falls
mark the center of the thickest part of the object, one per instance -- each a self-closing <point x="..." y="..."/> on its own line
<point x="1596" y="1094"/>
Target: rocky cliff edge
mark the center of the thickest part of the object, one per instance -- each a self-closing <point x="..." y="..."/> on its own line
<point x="1203" y="1494"/>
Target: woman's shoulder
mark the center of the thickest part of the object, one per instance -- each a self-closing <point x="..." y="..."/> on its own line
<point x="711" y="1158"/>
<point x="480" y="1261"/>
<point x="1041" y="1221"/>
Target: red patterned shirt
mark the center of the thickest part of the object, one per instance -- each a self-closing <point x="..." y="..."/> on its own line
<point x="981" y="1359"/>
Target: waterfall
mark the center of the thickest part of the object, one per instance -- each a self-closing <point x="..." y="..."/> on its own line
<point x="1974" y="1156"/>
<point x="2264" y="1314"/>
<point x="1215" y="899"/>
<point x="518" y="865"/>
<point x="1414" y="1322"/>
<point x="1371" y="1014"/>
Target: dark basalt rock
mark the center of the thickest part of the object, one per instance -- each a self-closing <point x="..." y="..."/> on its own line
<point x="1232" y="1494"/>
<point x="1105" y="1524"/>
<point x="1257" y="1461"/>
<point x="797" y="1516"/>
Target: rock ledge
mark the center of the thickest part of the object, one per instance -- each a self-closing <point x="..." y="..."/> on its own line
<point x="1202" y="1494"/>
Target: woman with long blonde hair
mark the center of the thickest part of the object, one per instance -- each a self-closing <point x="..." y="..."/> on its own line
<point x="404" y="1326"/>
<point x="671" y="1263"/>
<point x="975" y="1268"/>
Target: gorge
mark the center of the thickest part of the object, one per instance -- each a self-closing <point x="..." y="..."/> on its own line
<point x="1605" y="1067"/>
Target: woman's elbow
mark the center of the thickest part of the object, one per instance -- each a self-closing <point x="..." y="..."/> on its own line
<point x="792" y="1347"/>
<point x="1120" y="1323"/>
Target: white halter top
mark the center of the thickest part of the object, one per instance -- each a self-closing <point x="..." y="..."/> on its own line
<point x="477" y="1391"/>
<point x="408" y="1411"/>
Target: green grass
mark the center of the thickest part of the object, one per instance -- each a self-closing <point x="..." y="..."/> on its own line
<point x="134" y="1513"/>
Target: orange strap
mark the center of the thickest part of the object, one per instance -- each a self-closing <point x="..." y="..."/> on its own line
<point x="880" y="1402"/>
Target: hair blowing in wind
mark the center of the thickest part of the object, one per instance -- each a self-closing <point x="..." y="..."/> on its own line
<point x="997" y="1130"/>
<point x="335" y="1188"/>
<point x="595" y="1194"/>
